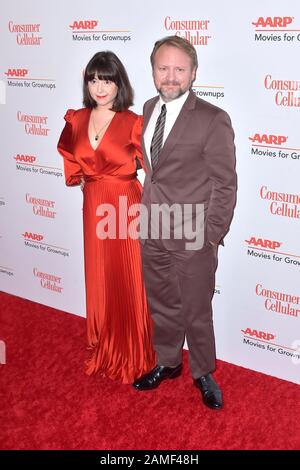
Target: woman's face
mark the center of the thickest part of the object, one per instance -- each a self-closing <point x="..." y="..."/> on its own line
<point x="104" y="92"/>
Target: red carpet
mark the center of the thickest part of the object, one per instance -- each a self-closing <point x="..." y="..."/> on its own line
<point x="49" y="403"/>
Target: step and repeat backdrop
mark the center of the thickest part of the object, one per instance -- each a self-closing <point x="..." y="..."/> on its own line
<point x="248" y="64"/>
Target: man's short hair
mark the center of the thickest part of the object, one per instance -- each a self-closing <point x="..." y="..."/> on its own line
<point x="180" y="43"/>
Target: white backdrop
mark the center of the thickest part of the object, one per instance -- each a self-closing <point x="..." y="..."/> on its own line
<point x="248" y="64"/>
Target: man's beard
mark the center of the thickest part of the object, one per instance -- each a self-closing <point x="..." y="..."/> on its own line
<point x="170" y="94"/>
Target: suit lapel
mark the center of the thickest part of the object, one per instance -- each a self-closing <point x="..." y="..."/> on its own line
<point x="175" y="134"/>
<point x="177" y="130"/>
<point x="148" y="110"/>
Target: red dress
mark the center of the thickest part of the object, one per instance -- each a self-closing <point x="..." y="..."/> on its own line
<point x="119" y="328"/>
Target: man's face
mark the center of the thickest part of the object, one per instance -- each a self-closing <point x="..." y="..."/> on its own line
<point x="173" y="72"/>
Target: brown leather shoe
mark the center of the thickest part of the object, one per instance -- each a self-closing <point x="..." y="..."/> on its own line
<point x="211" y="394"/>
<point x="154" y="378"/>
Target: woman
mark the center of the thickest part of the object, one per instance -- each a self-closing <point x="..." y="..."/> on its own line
<point x="100" y="144"/>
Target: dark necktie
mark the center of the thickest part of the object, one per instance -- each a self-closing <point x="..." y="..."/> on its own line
<point x="157" y="139"/>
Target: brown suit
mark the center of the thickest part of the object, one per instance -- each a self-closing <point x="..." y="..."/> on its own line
<point x="196" y="165"/>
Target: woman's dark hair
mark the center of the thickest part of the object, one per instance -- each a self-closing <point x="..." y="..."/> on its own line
<point x="107" y="66"/>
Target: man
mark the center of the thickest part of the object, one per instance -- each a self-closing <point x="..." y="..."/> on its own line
<point x="190" y="144"/>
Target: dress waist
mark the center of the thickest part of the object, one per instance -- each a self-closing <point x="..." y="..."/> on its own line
<point x="90" y="178"/>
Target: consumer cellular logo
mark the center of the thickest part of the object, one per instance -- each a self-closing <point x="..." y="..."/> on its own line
<point x="281" y="204"/>
<point x="49" y="281"/>
<point x="26" y="34"/>
<point x="192" y="30"/>
<point x="286" y="92"/>
<point x="279" y="302"/>
<point x="34" y="124"/>
<point x="41" y="207"/>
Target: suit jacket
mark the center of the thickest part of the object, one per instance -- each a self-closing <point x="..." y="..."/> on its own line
<point x="196" y="166"/>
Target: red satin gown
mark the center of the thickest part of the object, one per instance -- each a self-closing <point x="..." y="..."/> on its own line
<point x="119" y="328"/>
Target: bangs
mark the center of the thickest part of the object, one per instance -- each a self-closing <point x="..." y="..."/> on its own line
<point x="103" y="73"/>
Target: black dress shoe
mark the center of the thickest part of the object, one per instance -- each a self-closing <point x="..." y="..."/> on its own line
<point x="154" y="378"/>
<point x="211" y="394"/>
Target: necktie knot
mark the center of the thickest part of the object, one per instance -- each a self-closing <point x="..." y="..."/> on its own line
<point x="163" y="109"/>
<point x="158" y="136"/>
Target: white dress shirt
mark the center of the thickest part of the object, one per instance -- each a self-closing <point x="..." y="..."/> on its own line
<point x="173" y="110"/>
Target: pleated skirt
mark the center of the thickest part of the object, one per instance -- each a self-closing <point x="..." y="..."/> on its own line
<point x="119" y="326"/>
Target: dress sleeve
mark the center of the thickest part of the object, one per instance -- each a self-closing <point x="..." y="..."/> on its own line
<point x="136" y="140"/>
<point x="73" y="171"/>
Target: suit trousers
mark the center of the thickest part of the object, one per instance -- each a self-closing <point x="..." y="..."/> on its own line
<point x="180" y="286"/>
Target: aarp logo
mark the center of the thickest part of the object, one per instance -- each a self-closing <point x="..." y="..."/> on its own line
<point x="268" y="139"/>
<point x="25" y="158"/>
<point x="258" y="334"/>
<point x="33" y="236"/>
<point x="86" y="25"/>
<point x="273" y="21"/>
<point x="263" y="243"/>
<point x="16" y="73"/>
